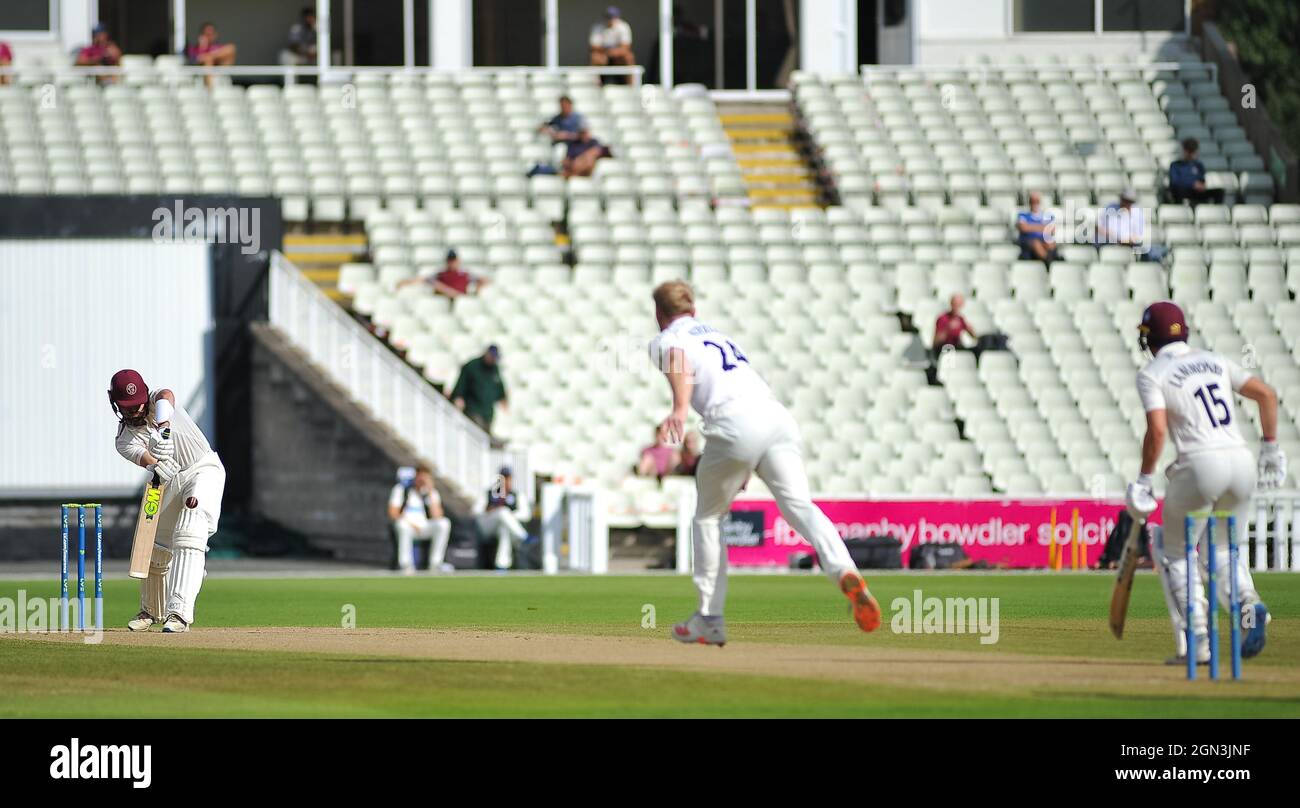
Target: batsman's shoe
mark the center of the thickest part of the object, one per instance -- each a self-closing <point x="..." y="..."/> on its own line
<point x="866" y="612"/>
<point x="1202" y="653"/>
<point x="175" y="625"/>
<point x="1254" y="619"/>
<point x="702" y="630"/>
<point x="141" y="622"/>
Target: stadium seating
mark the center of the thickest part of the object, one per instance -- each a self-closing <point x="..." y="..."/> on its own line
<point x="336" y="152"/>
<point x="1079" y="132"/>
<point x="930" y="167"/>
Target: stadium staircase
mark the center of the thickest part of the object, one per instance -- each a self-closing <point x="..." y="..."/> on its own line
<point x="773" y="168"/>
<point x="324" y="463"/>
<point x="320" y="256"/>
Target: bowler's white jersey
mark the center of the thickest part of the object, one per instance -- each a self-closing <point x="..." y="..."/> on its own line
<point x="1196" y="389"/>
<point x="190" y="443"/>
<point x="720" y="370"/>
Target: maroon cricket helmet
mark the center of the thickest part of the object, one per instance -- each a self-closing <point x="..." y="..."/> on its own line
<point x="127" y="390"/>
<point x="1162" y="323"/>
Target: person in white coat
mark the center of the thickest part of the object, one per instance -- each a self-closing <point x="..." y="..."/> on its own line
<point x="193" y="481"/>
<point x="747" y="431"/>
<point x="1188" y="395"/>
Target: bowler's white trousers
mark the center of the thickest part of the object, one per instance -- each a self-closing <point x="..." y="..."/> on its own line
<point x="759" y="437"/>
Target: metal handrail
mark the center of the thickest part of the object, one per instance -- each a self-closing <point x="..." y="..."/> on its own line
<point x="378" y="380"/>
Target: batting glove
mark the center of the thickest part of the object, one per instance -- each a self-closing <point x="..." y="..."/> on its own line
<point x="161" y="448"/>
<point x="1272" y="465"/>
<point x="166" y="470"/>
<point x="1140" y="499"/>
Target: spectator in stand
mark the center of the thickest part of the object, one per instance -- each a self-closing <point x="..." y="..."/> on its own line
<point x="565" y="126"/>
<point x="658" y="459"/>
<point x="301" y="49"/>
<point x="611" y="44"/>
<point x="950" y="326"/>
<point x="415" y="510"/>
<point x="452" y="281"/>
<point x="101" y="52"/>
<point x="582" y="154"/>
<point x="6" y="61"/>
<point x="690" y="455"/>
<point x="209" y="51"/>
<point x="501" y="518"/>
<point x="1187" y="178"/>
<point x="480" y="388"/>
<point x="1122" y="223"/>
<point x="1037" y="229"/>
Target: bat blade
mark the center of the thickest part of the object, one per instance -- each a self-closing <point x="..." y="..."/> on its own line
<point x="1128" y="559"/>
<point x="146" y="527"/>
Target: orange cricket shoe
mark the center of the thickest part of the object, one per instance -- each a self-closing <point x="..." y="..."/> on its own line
<point x="866" y="611"/>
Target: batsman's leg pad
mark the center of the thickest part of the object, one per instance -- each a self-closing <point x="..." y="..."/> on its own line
<point x="1173" y="580"/>
<point x="193" y="527"/>
<point x="153" y="589"/>
<point x="184" y="581"/>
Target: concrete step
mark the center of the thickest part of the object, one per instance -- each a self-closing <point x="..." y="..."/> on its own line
<point x="755" y="118"/>
<point x="319" y="256"/>
<point x="308" y="241"/>
<point x="303" y="259"/>
<point x="776" y="135"/>
<point x="767" y="150"/>
<point x="773" y="163"/>
<point x="785" y="194"/>
<point x="781" y="178"/>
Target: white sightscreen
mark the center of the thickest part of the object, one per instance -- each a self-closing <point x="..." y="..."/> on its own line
<point x="72" y="313"/>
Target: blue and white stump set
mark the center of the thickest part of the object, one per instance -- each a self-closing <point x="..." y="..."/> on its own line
<point x="1212" y="584"/>
<point x="82" y="511"/>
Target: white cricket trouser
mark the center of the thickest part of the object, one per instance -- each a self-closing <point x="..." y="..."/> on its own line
<point x="439" y="530"/>
<point x="503" y="524"/>
<point x="1215" y="480"/>
<point x="758" y="437"/>
<point x="188" y="516"/>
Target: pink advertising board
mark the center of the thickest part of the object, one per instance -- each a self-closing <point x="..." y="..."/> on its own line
<point x="1003" y="532"/>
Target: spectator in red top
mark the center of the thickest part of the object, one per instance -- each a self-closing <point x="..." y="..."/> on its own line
<point x="208" y="51"/>
<point x="6" y="60"/>
<point x="102" y="50"/>
<point x="658" y="459"/>
<point x="452" y="281"/>
<point x="951" y="325"/>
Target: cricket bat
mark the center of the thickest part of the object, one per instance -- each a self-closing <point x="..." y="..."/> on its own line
<point x="146" y="526"/>
<point x="1128" y="559"/>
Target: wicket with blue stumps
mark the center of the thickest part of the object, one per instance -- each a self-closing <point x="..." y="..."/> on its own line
<point x="1192" y="555"/>
<point x="82" y="510"/>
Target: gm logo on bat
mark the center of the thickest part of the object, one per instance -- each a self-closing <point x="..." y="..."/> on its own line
<point x="151" y="502"/>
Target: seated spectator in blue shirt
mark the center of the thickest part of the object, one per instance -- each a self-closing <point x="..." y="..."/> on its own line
<point x="1037" y="229"/>
<point x="1187" y="178"/>
<point x="1123" y="223"/>
<point x="581" y="155"/>
<point x="565" y="126"/>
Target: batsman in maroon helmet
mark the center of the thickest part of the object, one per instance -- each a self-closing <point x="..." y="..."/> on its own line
<point x="193" y="481"/>
<point x="1189" y="395"/>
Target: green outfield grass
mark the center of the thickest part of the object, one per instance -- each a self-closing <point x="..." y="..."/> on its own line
<point x="1057" y="618"/>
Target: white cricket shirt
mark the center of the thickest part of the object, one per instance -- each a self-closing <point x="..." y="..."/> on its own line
<point x="1196" y="389"/>
<point x="191" y="445"/>
<point x="720" y="369"/>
